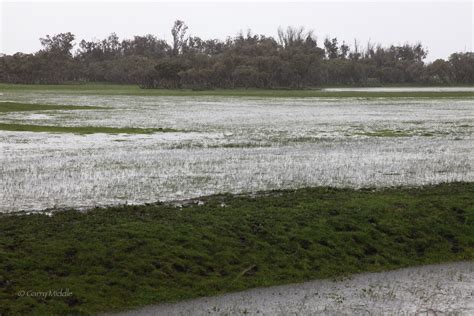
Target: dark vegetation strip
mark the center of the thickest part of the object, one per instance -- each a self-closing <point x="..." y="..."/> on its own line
<point x="113" y="89"/>
<point x="6" y="107"/>
<point x="123" y="257"/>
<point x="81" y="129"/>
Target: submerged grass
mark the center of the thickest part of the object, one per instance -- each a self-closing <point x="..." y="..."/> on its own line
<point x="115" y="89"/>
<point x="82" y="129"/>
<point x="6" y="107"/>
<point x="398" y="133"/>
<point x="385" y="133"/>
<point x="123" y="257"/>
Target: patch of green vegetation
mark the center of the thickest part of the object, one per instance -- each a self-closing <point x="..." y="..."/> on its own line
<point x="414" y="122"/>
<point x="6" y="107"/>
<point x="304" y="139"/>
<point x="386" y="133"/>
<point x="398" y="133"/>
<point x="114" y="89"/>
<point x="81" y="129"/>
<point x="123" y="257"/>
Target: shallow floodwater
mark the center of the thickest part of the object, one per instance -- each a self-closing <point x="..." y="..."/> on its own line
<point x="227" y="144"/>
<point x="403" y="89"/>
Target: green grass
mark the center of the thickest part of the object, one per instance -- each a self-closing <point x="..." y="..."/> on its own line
<point x="114" y="89"/>
<point x="6" y="107"/>
<point x="81" y="129"/>
<point x="123" y="257"/>
<point x="385" y="133"/>
<point x="398" y="133"/>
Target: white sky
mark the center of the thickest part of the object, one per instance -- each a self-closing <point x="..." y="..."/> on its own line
<point x="443" y="27"/>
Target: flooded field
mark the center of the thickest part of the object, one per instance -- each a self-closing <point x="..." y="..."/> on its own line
<point x="225" y="144"/>
<point x="404" y="89"/>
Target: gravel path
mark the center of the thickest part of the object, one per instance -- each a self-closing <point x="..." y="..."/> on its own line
<point x="426" y="290"/>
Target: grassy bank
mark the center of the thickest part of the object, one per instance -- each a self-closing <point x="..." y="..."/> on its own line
<point x="124" y="257"/>
<point x="6" y="107"/>
<point x="81" y="129"/>
<point x="114" y="89"/>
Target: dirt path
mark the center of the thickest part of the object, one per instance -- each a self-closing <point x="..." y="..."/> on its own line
<point x="425" y="290"/>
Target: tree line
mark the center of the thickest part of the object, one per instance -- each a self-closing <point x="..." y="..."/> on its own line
<point x="291" y="60"/>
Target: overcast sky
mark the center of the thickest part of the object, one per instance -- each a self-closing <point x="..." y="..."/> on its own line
<point x="443" y="27"/>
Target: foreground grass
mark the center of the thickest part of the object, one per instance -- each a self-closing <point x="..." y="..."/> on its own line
<point x="115" y="89"/>
<point x="124" y="257"/>
<point x="6" y="107"/>
<point x="81" y="129"/>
